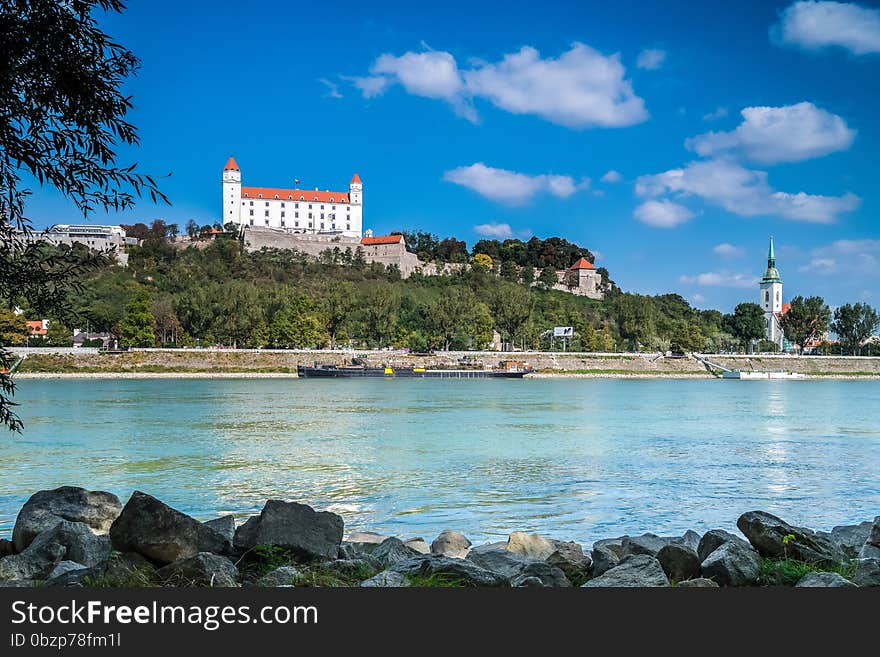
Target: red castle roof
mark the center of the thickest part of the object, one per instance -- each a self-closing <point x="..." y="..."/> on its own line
<point x="270" y="193"/>
<point x="583" y="263"/>
<point x="355" y="179"/>
<point x="382" y="239"/>
<point x="231" y="165"/>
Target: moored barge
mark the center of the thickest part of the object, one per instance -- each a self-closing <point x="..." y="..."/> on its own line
<point x="509" y="370"/>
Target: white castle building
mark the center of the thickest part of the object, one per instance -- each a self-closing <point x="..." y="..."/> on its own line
<point x="771" y="301"/>
<point x="293" y="210"/>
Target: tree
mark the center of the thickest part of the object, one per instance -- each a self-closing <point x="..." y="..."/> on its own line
<point x="59" y="335"/>
<point x="746" y="323"/>
<point x="13" y="328"/>
<point x="511" y="308"/>
<point x="382" y="304"/>
<point x="547" y="279"/>
<point x="807" y="320"/>
<point x="62" y="116"/>
<point x="636" y="318"/>
<point x="138" y="326"/>
<point x="854" y="324"/>
<point x="339" y="302"/>
<point x="192" y="229"/>
<point x="509" y="271"/>
<point x="167" y="325"/>
<point x="451" y="313"/>
<point x="482" y="262"/>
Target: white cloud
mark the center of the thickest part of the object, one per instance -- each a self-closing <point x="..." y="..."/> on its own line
<point x="720" y="279"/>
<point x="714" y="115"/>
<point x="332" y="88"/>
<point x="651" y="59"/>
<point x="698" y="298"/>
<point x="726" y="250"/>
<point x="851" y="257"/>
<point x="581" y="88"/>
<point x="611" y="177"/>
<point x="744" y="192"/>
<point x="511" y="187"/>
<point x="814" y="25"/>
<point x="496" y="231"/>
<point x="662" y="214"/>
<point x="778" y="134"/>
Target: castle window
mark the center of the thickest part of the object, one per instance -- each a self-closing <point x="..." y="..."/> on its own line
<point x="331" y="199"/>
<point x="302" y="198"/>
<point x="310" y="224"/>
<point x="322" y="225"/>
<point x="322" y="206"/>
<point x="296" y="205"/>
<point x="348" y="217"/>
<point x="289" y="198"/>
<point x="252" y="202"/>
<point x="252" y="222"/>
<point x="276" y="196"/>
<point x="267" y="204"/>
<point x="282" y="222"/>
<point x="310" y="215"/>
<point x="322" y="215"/>
<point x="296" y="223"/>
<point x="310" y="206"/>
<point x="259" y="196"/>
<point x="252" y="214"/>
<point x="347" y="226"/>
<point x="267" y="214"/>
<point x="296" y="215"/>
<point x="282" y="213"/>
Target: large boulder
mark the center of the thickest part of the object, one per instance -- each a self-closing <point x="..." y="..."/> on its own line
<point x="385" y="580"/>
<point x="867" y="572"/>
<point x="715" y="538"/>
<point x="281" y="576"/>
<point x="636" y="570"/>
<point x="6" y="548"/>
<point x="296" y="527"/>
<point x="47" y="508"/>
<point x="392" y="550"/>
<point x="531" y="546"/>
<point x="120" y="569"/>
<point x="160" y="533"/>
<point x="569" y="557"/>
<point x="450" y="543"/>
<point x="615" y="545"/>
<point x="202" y="569"/>
<point x="604" y="559"/>
<point x="82" y="545"/>
<point x="851" y="538"/>
<point x="824" y="580"/>
<point x="448" y="571"/>
<point x="225" y="527"/>
<point x="64" y="567"/>
<point x="504" y="563"/>
<point x="690" y="539"/>
<point x="648" y="544"/>
<point x="697" y="583"/>
<point x="418" y="544"/>
<point x="871" y="547"/>
<point x="545" y="573"/>
<point x="773" y="537"/>
<point x="679" y="562"/>
<point x="36" y="562"/>
<point x="732" y="564"/>
<point x="367" y="537"/>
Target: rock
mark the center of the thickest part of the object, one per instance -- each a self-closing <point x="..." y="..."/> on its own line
<point x="225" y="527"/>
<point x="499" y="561"/>
<point x="34" y="563"/>
<point x="545" y="573"/>
<point x="604" y="559"/>
<point x="633" y="571"/>
<point x="418" y="544"/>
<point x="649" y="544"/>
<point x="697" y="583"/>
<point x="715" y="538"/>
<point x="120" y="569"/>
<point x="124" y="565"/>
<point x="851" y="538"/>
<point x="867" y="573"/>
<point x="202" y="569"/>
<point x="526" y="581"/>
<point x="613" y="544"/>
<point x="160" y="533"/>
<point x="679" y="562"/>
<point x="366" y="537"/>
<point x="297" y="527"/>
<point x="571" y="560"/>
<point x="392" y="550"/>
<point x="869" y="551"/>
<point x="689" y="539"/>
<point x="82" y="545"/>
<point x="387" y="579"/>
<point x="283" y="576"/>
<point x="732" y="564"/>
<point x="47" y="508"/>
<point x="352" y="568"/>
<point x="64" y="567"/>
<point x="450" y="543"/>
<point x="6" y="548"/>
<point x="442" y="569"/>
<point x="532" y="546"/>
<point x="768" y="534"/>
<point x="824" y="580"/>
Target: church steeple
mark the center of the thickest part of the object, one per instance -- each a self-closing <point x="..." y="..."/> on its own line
<point x="772" y="274"/>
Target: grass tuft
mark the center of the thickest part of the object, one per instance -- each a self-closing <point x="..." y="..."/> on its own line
<point x="788" y="572"/>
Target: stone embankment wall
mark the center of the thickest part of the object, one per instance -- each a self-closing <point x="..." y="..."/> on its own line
<point x="284" y="361"/>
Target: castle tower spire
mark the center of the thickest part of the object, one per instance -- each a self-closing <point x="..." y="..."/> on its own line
<point x="771" y="256"/>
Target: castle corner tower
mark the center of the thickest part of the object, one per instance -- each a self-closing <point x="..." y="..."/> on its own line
<point x="231" y="193"/>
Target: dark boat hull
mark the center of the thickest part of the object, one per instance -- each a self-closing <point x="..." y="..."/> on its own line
<point x="332" y="372"/>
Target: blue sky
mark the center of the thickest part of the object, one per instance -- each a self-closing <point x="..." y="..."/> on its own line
<point x="723" y="123"/>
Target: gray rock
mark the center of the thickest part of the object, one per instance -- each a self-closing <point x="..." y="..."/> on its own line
<point x="679" y="562"/>
<point x="297" y="527"/>
<point x="500" y="561"/>
<point x="83" y="546"/>
<point x="367" y="537"/>
<point x="604" y="559"/>
<point x="613" y="544"/>
<point x="225" y="527"/>
<point x="571" y="560"/>
<point x="387" y="579"/>
<point x="548" y="575"/>
<point x="532" y="546"/>
<point x="489" y="547"/>
<point x="732" y="564"/>
<point x="851" y="538"/>
<point x="690" y="539"/>
<point x="824" y="580"/>
<point x="869" y="551"/>
<point x="47" y="508"/>
<point x="120" y="569"/>
<point x="283" y="576"/>
<point x="457" y="571"/>
<point x="526" y="581"/>
<point x="6" y="548"/>
<point x="450" y="543"/>
<point x="64" y="567"/>
<point x="874" y="538"/>
<point x="392" y="550"/>
<point x="202" y="569"/>
<point x="767" y="533"/>
<point x="636" y="570"/>
<point x="124" y="565"/>
<point x="867" y="573"/>
<point x="33" y="563"/>
<point x="418" y="544"/>
<point x="648" y="544"/>
<point x="160" y="533"/>
<point x="697" y="583"/>
<point x="715" y="538"/>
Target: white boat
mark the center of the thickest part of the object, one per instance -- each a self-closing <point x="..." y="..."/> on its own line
<point x="755" y="375"/>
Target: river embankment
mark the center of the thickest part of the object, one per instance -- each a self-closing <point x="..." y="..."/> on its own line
<point x="269" y="363"/>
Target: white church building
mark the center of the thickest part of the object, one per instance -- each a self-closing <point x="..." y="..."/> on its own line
<point x="293" y="210"/>
<point x="771" y="301"/>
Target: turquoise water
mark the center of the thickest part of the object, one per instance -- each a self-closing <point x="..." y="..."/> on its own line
<point x="576" y="459"/>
